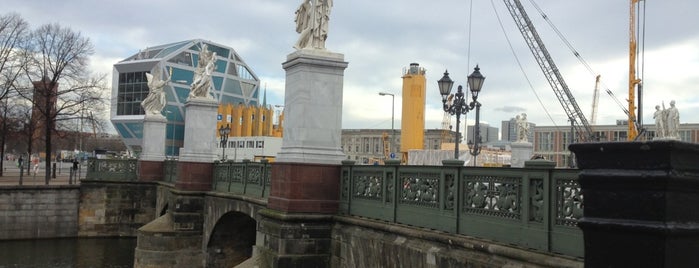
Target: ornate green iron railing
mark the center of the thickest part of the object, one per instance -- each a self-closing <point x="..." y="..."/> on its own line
<point x="111" y="169"/>
<point x="245" y="178"/>
<point x="537" y="208"/>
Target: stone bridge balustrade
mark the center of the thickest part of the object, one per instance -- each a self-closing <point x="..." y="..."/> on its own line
<point x="245" y="178"/>
<point x="112" y="169"/>
<point x="535" y="207"/>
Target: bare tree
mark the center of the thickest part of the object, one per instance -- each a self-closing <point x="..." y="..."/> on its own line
<point x="13" y="35"/>
<point x="61" y="85"/>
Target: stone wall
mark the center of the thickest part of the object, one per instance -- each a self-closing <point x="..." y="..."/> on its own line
<point x="366" y="243"/>
<point x="115" y="209"/>
<point x="28" y="212"/>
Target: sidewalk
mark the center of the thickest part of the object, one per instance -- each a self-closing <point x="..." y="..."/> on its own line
<point x="10" y="175"/>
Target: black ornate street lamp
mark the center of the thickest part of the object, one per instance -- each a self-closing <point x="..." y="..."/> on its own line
<point x="459" y="106"/>
<point x="223" y="132"/>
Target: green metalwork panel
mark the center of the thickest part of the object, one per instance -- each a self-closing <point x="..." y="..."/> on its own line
<point x="567" y="209"/>
<point x="427" y="193"/>
<point x="528" y="207"/>
<point x="111" y="169"/>
<point x="243" y="178"/>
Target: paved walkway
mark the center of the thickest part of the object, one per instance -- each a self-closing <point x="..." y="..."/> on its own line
<point x="10" y="175"/>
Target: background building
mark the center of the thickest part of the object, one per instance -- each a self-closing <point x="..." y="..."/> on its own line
<point x="366" y="146"/>
<point x="233" y="82"/>
<point x="552" y="142"/>
<point x="488" y="134"/>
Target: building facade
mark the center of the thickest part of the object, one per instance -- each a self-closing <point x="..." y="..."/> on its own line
<point x="488" y="134"/>
<point x="366" y="146"/>
<point x="233" y="82"/>
<point x="552" y="142"/>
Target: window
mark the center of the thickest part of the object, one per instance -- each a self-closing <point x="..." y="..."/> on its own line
<point x="356" y="148"/>
<point x="241" y="144"/>
<point x="260" y="144"/>
<point x="619" y="136"/>
<point x="545" y="142"/>
<point x="685" y="135"/>
<point x="251" y="144"/>
<point x="132" y="89"/>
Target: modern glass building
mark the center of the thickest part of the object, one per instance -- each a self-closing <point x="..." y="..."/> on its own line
<point x="233" y="82"/>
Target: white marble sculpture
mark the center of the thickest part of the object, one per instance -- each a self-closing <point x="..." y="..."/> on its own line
<point x="155" y="101"/>
<point x="522" y="128"/>
<point x="667" y="122"/>
<point x="202" y="74"/>
<point x="312" y="18"/>
<point x="672" y="121"/>
<point x="659" y="117"/>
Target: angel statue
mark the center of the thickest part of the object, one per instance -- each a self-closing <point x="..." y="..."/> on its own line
<point x="312" y="18"/>
<point x="155" y="101"/>
<point x="202" y="74"/>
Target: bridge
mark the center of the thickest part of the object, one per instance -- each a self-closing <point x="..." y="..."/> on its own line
<point x="420" y="216"/>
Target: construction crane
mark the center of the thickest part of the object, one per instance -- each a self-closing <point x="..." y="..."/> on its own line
<point x="634" y="123"/>
<point x="595" y="102"/>
<point x="446" y="122"/>
<point x="543" y="58"/>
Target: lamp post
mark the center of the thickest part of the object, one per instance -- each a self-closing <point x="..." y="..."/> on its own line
<point x="459" y="106"/>
<point x="393" y="105"/>
<point x="223" y="132"/>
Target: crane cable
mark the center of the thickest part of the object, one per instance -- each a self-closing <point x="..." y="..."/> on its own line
<point x="519" y="63"/>
<point x="582" y="60"/>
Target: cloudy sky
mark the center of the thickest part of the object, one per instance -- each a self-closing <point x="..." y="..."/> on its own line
<point x="380" y="38"/>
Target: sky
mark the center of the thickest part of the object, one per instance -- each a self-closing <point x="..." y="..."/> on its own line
<point x="381" y="38"/>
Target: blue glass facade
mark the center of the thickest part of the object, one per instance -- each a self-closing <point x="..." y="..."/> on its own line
<point x="232" y="80"/>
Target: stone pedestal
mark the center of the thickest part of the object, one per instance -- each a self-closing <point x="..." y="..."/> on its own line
<point x="293" y="240"/>
<point x="307" y="188"/>
<point x="521" y="152"/>
<point x="153" y="144"/>
<point x="639" y="199"/>
<point x="313" y="107"/>
<point x="195" y="165"/>
<point x="150" y="162"/>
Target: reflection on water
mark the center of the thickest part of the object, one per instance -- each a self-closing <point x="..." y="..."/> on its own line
<point x="69" y="252"/>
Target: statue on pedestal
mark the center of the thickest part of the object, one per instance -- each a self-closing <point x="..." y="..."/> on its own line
<point x="155" y="101"/>
<point x="312" y="18"/>
<point x="672" y="121"/>
<point x="667" y="122"/>
<point x="522" y="128"/>
<point x="202" y="74"/>
<point x="659" y="117"/>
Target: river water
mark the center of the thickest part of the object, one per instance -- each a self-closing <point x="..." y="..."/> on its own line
<point x="68" y="253"/>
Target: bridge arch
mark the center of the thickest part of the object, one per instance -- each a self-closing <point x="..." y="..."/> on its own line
<point x="229" y="229"/>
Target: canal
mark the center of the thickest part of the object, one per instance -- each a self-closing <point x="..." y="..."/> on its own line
<point x="69" y="253"/>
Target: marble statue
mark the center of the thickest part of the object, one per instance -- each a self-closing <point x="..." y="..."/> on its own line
<point x="667" y="122"/>
<point x="522" y="128"/>
<point x="202" y="74"/>
<point x="672" y="121"/>
<point x="155" y="101"/>
<point x="312" y="18"/>
<point x="659" y="117"/>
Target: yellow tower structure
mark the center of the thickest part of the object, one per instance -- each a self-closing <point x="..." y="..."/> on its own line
<point x="249" y="120"/>
<point x="413" y="114"/>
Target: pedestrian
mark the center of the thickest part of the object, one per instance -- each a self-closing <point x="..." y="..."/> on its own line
<point x="35" y="162"/>
<point x="19" y="162"/>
